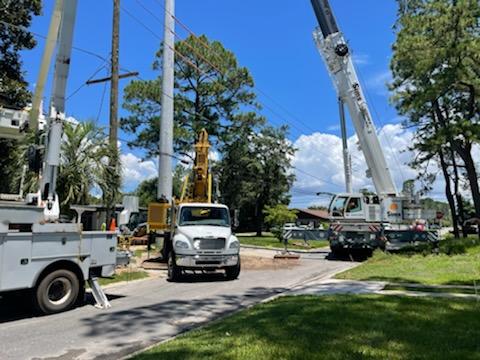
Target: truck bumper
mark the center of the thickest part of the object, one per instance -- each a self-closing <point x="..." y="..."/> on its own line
<point x="206" y="261"/>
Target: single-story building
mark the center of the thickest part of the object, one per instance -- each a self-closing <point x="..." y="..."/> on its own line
<point x="312" y="217"/>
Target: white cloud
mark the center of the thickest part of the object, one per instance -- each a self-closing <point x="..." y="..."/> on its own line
<point x="319" y="164"/>
<point x="134" y="170"/>
<point x="378" y="82"/>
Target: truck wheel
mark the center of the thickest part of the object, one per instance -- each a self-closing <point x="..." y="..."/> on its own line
<point x="174" y="272"/>
<point x="232" y="272"/>
<point x="57" y="292"/>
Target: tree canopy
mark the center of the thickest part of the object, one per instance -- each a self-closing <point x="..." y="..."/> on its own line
<point x="436" y="82"/>
<point x="214" y="92"/>
<point x="211" y="91"/>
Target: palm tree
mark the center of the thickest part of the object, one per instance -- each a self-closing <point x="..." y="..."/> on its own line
<point x="83" y="150"/>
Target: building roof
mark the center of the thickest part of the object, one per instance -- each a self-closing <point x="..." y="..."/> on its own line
<point x="320" y="214"/>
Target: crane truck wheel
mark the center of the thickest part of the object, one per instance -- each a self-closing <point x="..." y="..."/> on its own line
<point x="58" y="291"/>
<point x="232" y="272"/>
<point x="174" y="272"/>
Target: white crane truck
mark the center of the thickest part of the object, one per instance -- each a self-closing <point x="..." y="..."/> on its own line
<point x="39" y="255"/>
<point x="386" y="219"/>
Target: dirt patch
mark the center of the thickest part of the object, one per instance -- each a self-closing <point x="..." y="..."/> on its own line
<point x="263" y="263"/>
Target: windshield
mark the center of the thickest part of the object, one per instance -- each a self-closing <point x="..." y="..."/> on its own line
<point x="337" y="206"/>
<point x="196" y="215"/>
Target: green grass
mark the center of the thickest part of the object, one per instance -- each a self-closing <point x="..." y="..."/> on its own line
<point x="458" y="263"/>
<point x="429" y="289"/>
<point x="271" y="242"/>
<point x="124" y="276"/>
<point x="336" y="327"/>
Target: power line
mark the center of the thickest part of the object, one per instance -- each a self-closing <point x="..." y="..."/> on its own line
<point x="23" y="28"/>
<point x="201" y="71"/>
<point x="85" y="83"/>
<point x="207" y="46"/>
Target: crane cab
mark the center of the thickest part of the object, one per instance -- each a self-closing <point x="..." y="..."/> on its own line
<point x="355" y="207"/>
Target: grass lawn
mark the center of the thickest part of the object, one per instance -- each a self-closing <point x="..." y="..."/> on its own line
<point x="336" y="327"/>
<point x="457" y="264"/>
<point x="124" y="276"/>
<point x="271" y="242"/>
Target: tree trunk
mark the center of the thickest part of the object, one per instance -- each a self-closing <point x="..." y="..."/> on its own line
<point x="465" y="152"/>
<point x="473" y="180"/>
<point x="458" y="196"/>
<point x="449" y="195"/>
<point x="258" y="218"/>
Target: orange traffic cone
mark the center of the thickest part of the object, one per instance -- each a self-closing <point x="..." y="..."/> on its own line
<point x="113" y="225"/>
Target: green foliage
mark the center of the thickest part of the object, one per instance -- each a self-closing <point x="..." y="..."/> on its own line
<point x="277" y="216"/>
<point x="255" y="172"/>
<point x="84" y="164"/>
<point x="13" y="87"/>
<point x="436" y="70"/>
<point x="333" y="327"/>
<point x="147" y="189"/>
<point x="13" y="40"/>
<point x="212" y="99"/>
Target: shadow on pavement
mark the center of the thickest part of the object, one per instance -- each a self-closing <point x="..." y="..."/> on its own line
<point x="18" y="306"/>
<point x="175" y="316"/>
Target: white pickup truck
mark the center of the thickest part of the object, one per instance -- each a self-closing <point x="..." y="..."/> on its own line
<point x="203" y="240"/>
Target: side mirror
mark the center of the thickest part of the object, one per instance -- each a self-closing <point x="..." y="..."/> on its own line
<point x="235" y="221"/>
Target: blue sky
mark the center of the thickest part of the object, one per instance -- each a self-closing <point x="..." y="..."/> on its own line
<point x="272" y="38"/>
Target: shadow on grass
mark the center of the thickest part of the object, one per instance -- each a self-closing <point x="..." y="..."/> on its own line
<point x="337" y="327"/>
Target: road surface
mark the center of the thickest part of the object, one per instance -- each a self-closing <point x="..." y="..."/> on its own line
<point x="147" y="311"/>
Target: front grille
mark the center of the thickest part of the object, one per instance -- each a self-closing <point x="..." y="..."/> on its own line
<point x="209" y="244"/>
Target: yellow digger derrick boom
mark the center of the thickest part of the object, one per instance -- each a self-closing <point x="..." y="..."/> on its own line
<point x="199" y="189"/>
<point x="196" y="188"/>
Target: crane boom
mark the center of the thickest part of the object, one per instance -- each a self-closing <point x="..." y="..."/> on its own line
<point x="335" y="52"/>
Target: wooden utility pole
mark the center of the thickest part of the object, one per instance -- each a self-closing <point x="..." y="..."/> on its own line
<point x="114" y="74"/>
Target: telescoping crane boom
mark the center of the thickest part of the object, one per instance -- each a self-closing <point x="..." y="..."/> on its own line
<point x="337" y="56"/>
<point x="360" y="220"/>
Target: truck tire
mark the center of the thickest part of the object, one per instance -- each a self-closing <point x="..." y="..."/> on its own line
<point x="58" y="291"/>
<point x="232" y="272"/>
<point x="174" y="272"/>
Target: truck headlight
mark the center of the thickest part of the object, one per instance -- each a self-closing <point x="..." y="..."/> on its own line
<point x="234" y="245"/>
<point x="181" y="244"/>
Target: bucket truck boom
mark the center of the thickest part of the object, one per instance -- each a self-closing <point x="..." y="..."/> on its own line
<point x="48" y="259"/>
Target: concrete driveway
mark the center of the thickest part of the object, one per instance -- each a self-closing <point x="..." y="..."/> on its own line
<point x="148" y="311"/>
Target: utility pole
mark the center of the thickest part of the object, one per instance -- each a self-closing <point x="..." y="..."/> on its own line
<point x="114" y="74"/>
<point x="164" y="189"/>
<point x="347" y="161"/>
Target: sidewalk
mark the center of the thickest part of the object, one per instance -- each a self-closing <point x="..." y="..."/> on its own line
<point x="337" y="286"/>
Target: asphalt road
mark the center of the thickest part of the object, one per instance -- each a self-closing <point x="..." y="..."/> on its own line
<point x="145" y="312"/>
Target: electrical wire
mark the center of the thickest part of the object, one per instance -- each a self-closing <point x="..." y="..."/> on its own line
<point x="203" y="58"/>
<point x="85" y="83"/>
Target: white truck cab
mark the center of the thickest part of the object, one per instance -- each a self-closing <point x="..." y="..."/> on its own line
<point x="203" y="240"/>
